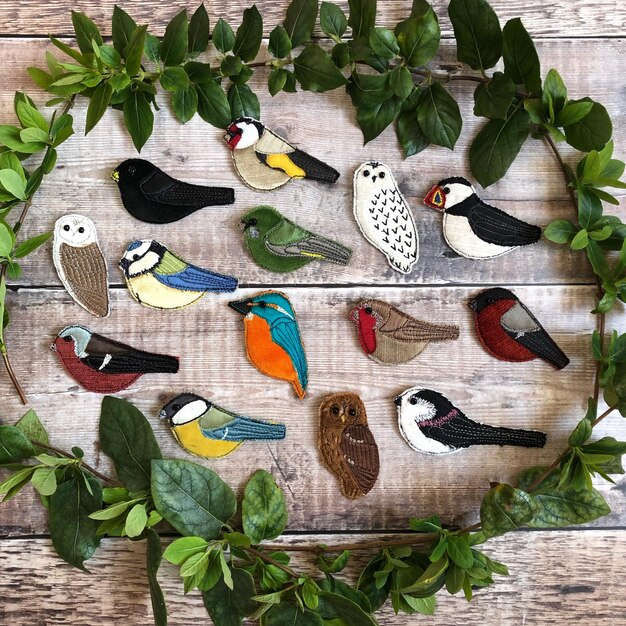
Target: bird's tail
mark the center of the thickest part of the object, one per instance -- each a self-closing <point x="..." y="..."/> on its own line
<point x="501" y="436"/>
<point x="299" y="389"/>
<point x="314" y="169"/>
<point x="151" y="363"/>
<point x="436" y="332"/>
<point x="210" y="196"/>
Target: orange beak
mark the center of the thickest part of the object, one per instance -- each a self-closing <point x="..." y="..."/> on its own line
<point x="436" y="198"/>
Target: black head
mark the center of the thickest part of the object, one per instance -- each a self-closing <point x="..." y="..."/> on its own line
<point x="132" y="171"/>
<point x="490" y="296"/>
<point x="183" y="408"/>
<point x="454" y="179"/>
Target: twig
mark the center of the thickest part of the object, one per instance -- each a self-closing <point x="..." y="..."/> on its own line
<point x="12" y="376"/>
<point x="605" y="414"/>
<point x="271" y="561"/>
<point x="68" y="455"/>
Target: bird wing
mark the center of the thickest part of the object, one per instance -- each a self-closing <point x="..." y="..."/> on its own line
<point x="175" y="273"/>
<point x="495" y="226"/>
<point x="290" y="240"/>
<point x="270" y="143"/>
<point x="522" y="326"/>
<point x="359" y="448"/>
<point x="403" y="327"/>
<point x="242" y="428"/>
<point x="163" y="189"/>
<point x="285" y="333"/>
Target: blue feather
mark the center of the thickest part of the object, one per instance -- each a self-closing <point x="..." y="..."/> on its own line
<point x="244" y="429"/>
<point x="285" y="333"/>
<point x="196" y="279"/>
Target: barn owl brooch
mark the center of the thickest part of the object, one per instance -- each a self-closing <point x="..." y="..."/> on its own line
<point x="80" y="263"/>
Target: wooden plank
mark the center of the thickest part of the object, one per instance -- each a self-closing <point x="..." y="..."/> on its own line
<point x="533" y="189"/>
<point x="208" y="337"/>
<point x="559" y="18"/>
<point x="555" y="578"/>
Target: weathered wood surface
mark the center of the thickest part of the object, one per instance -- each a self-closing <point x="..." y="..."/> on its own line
<point x="555" y="578"/>
<point x="554" y="19"/>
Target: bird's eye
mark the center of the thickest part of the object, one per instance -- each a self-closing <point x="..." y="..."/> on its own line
<point x="352" y="412"/>
<point x="135" y="257"/>
<point x="131" y="170"/>
<point x="262" y="304"/>
<point x="366" y="173"/>
<point x="81" y="230"/>
<point x="252" y="221"/>
<point x="369" y="310"/>
<point x="67" y="338"/>
<point x="446" y="190"/>
<point x="381" y="175"/>
<point x="175" y="407"/>
<point x="240" y="131"/>
<point x="66" y="227"/>
<point x="413" y="400"/>
<point x="335" y="410"/>
<point x="490" y="300"/>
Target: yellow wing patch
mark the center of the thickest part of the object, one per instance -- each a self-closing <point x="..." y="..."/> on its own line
<point x="283" y="162"/>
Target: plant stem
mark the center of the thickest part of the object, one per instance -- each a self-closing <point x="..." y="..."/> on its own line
<point x="271" y="561"/>
<point x="11" y="373"/>
<point x="69" y="455"/>
<point x="605" y="414"/>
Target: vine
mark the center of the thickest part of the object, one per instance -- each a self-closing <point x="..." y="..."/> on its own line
<point x="238" y="571"/>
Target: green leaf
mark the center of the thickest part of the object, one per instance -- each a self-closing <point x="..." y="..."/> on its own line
<point x="231" y="66"/>
<point x="151" y="47"/>
<point x="493" y="99"/>
<point x="134" y="50"/>
<point x="174" y="44"/>
<point x="477" y="32"/>
<point x="110" y="56"/>
<point x="44" y="480"/>
<point x="362" y="17"/>
<point x="581" y="433"/>
<point x="383" y="42"/>
<point x="573" y="112"/>
<point x="223" y="36"/>
<point x="368" y="90"/>
<point x="136" y="520"/>
<point x="98" y="105"/>
<point x="521" y="62"/>
<point x="29" y="423"/>
<point x="333" y="21"/>
<point x="598" y="260"/>
<point x="249" y="35"/>
<point x="153" y="562"/>
<point x="419" y="37"/>
<point x="174" y="79"/>
<point x="495" y="147"/>
<point x="315" y="70"/>
<point x="180" y="550"/>
<point x="13" y="183"/>
<point x="112" y="512"/>
<point x="139" y="118"/>
<point x="42" y="79"/>
<point x="554" y="94"/>
<point x="34" y="135"/>
<point x="276" y="80"/>
<point x="439" y="116"/>
<point x="426" y="524"/>
<point x="460" y="552"/>
<point x="374" y="119"/>
<point x="213" y="106"/>
<point x="12" y="485"/>
<point x="589" y="208"/>
<point x="560" y="231"/>
<point x="198" y="34"/>
<point x="580" y="241"/>
<point x="243" y="102"/>
<point x="127" y="438"/>
<point x="401" y="82"/>
<point x="86" y="32"/>
<point x="455" y="576"/>
<point x="193" y="499"/>
<point x="263" y="508"/>
<point x="185" y="104"/>
<point x="199" y="72"/>
<point x="336" y="565"/>
<point x="593" y="131"/>
<point x="279" y="43"/>
<point x="122" y="28"/>
<point x="14" y="444"/>
<point x="30" y="117"/>
<point x="300" y="21"/>
<point x="409" y="133"/>
<point x="72" y="532"/>
<point x="284" y="614"/>
<point x="228" y="607"/>
<point x="504" y="509"/>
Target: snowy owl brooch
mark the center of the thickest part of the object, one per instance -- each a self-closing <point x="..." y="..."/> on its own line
<point x="80" y="264"/>
<point x="384" y="216"/>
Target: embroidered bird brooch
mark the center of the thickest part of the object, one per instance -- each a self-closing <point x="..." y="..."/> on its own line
<point x="347" y="444"/>
<point x="80" y="264"/>
<point x="474" y="229"/>
<point x="430" y="423"/>
<point x="384" y="217"/>
<point x="159" y="279"/>
<point x="102" y="365"/>
<point x="279" y="245"/>
<point x="272" y="336"/>
<point x="510" y="332"/>
<point x="388" y="335"/>
<point x="207" y="430"/>
<point x="150" y="195"/>
<point x="265" y="161"/>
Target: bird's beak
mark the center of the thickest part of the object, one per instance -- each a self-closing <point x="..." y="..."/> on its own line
<point x="115" y="175"/>
<point x="397" y="400"/>
<point x="243" y="225"/>
<point x="124" y="265"/>
<point x="162" y="414"/>
<point x="436" y="198"/>
<point x="53" y="347"/>
<point x="473" y="304"/>
<point x="241" y="306"/>
<point x="354" y="314"/>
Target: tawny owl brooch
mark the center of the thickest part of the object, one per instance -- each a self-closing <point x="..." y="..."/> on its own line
<point x="80" y="264"/>
<point x="347" y="444"/>
<point x="384" y="217"/>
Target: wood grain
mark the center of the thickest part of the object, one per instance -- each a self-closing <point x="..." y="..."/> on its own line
<point x="554" y="19"/>
<point x="555" y="578"/>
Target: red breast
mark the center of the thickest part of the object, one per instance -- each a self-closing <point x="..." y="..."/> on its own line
<point x="494" y="337"/>
<point x="366" y="327"/>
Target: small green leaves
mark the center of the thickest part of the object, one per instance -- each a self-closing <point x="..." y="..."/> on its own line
<point x="494" y="99"/>
<point x="98" y="105"/>
<point x="279" y="43"/>
<point x="198" y="31"/>
<point x="477" y="31"/>
<point x="86" y="32"/>
<point x="29" y="423"/>
<point x="174" y="79"/>
<point x="409" y="133"/>
<point x="138" y="117"/>
<point x="263" y="508"/>
<point x="223" y="36"/>
<point x="243" y="102"/>
<point x="229" y="605"/>
<point x="181" y="549"/>
<point x="593" y="131"/>
<point x="439" y="116"/>
<point x="175" y="41"/>
<point x="300" y="21"/>
<point x="374" y="119"/>
<point x="333" y="21"/>
<point x="122" y="28"/>
<point x="185" y="104"/>
<point x="213" y="106"/>
<point x="383" y="42"/>
<point x="193" y="499"/>
<point x="401" y="82"/>
<point x="418" y="37"/>
<point x="249" y="35"/>
<point x="134" y="50"/>
<point x="362" y="17"/>
<point x="315" y="70"/>
<point x="521" y="62"/>
<point x="504" y="509"/>
<point x="426" y="524"/>
<point x="560" y="231"/>
<point x="14" y="444"/>
<point x="12" y="182"/>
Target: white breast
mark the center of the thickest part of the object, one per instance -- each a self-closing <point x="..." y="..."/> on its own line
<point x="416" y="438"/>
<point x="461" y="238"/>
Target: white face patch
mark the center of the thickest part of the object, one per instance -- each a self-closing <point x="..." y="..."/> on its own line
<point x="142" y="258"/>
<point x="75" y="230"/>
<point x="190" y="412"/>
<point x="81" y="338"/>
<point x="249" y="136"/>
<point x="457" y="192"/>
